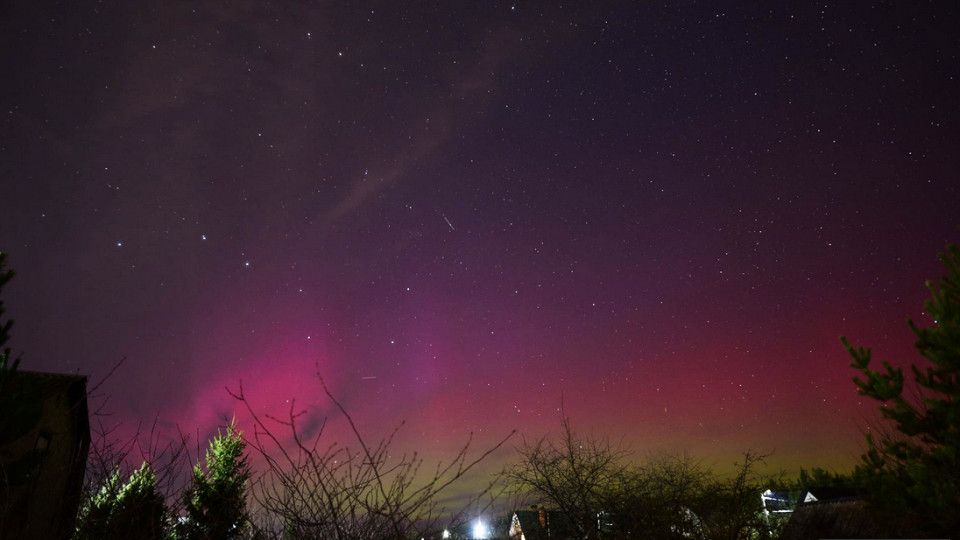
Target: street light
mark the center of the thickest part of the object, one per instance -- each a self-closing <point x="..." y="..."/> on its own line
<point x="480" y="530"/>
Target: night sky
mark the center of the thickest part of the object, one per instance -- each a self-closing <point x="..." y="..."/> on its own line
<point x="462" y="213"/>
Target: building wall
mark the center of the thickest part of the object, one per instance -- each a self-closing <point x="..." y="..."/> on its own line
<point x="45" y="507"/>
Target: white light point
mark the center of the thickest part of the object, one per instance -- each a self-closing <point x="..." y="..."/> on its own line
<point x="480" y="530"/>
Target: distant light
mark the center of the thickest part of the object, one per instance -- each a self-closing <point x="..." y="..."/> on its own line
<point x="446" y="534"/>
<point x="480" y="530"/>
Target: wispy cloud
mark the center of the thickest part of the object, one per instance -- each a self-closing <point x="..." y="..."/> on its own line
<point x="471" y="88"/>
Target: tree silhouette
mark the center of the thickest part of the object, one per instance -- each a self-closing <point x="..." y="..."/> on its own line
<point x="582" y="477"/>
<point x="20" y="409"/>
<point x="316" y="489"/>
<point x="599" y="493"/>
<point x="912" y="475"/>
<point x="6" y="366"/>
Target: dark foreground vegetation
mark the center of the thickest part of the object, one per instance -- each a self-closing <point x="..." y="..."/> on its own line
<point x="562" y="486"/>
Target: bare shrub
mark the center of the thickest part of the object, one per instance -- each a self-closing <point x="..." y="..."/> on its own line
<point x="596" y="491"/>
<point x="312" y="488"/>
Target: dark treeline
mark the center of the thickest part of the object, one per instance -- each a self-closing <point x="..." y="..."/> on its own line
<point x="565" y="485"/>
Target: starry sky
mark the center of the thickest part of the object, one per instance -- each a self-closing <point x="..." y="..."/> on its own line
<point x="462" y="214"/>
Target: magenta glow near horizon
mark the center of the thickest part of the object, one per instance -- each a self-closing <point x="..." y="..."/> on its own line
<point x="657" y="219"/>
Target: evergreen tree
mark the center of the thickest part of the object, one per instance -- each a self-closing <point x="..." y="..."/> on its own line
<point x="216" y="504"/>
<point x="6" y="366"/>
<point x="816" y="477"/>
<point x="132" y="510"/>
<point x="20" y="408"/>
<point x="912" y="476"/>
